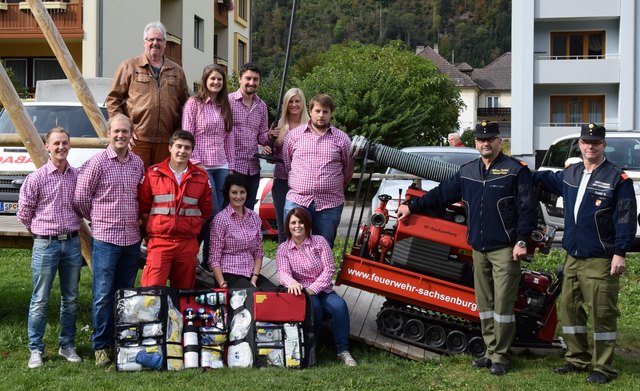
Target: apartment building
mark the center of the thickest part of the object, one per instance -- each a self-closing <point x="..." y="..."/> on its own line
<point x="573" y="62"/>
<point x="485" y="92"/>
<point x="102" y="33"/>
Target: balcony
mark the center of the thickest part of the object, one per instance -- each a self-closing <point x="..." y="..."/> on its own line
<point x="221" y="12"/>
<point x="17" y="23"/>
<point x="553" y="70"/>
<point x="494" y="112"/>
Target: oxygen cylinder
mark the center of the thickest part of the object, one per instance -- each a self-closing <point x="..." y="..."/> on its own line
<point x="190" y="341"/>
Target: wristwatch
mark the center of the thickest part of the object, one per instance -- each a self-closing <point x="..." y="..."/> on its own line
<point x="522" y="244"/>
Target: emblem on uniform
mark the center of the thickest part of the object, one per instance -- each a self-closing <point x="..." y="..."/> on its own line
<point x="598" y="202"/>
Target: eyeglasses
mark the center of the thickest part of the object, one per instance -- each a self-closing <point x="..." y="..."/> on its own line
<point x="160" y="40"/>
<point x="591" y="142"/>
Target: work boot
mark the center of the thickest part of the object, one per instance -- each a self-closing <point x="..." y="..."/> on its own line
<point x="566" y="369"/>
<point x="102" y="358"/>
<point x="598" y="378"/>
<point x="481" y="363"/>
<point x="498" y="369"/>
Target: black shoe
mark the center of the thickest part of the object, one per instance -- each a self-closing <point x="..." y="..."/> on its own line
<point x="568" y="368"/>
<point x="598" y="378"/>
<point x="498" y="369"/>
<point x="481" y="363"/>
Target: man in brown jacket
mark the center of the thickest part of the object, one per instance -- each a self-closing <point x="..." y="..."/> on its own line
<point x="151" y="90"/>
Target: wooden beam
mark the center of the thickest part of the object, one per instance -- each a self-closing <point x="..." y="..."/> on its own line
<point x="13" y="140"/>
<point x="69" y="67"/>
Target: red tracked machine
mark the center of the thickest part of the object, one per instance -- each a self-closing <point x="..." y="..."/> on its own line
<point x="423" y="266"/>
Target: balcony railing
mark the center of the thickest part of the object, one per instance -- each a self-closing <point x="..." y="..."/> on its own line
<point x="20" y="23"/>
<point x="494" y="112"/>
<point x="221" y="12"/>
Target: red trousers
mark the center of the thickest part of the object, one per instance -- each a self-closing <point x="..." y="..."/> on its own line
<point x="173" y="259"/>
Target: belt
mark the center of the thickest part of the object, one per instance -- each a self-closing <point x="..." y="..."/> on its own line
<point x="57" y="237"/>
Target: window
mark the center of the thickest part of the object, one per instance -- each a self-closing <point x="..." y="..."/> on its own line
<point x="198" y="33"/>
<point x="242" y="12"/>
<point x="241" y="51"/>
<point x="576" y="110"/>
<point x="493" y="101"/>
<point x="577" y="45"/>
<point x="19" y="68"/>
<point x="47" y="69"/>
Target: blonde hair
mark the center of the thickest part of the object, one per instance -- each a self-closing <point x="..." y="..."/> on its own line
<point x="283" y="123"/>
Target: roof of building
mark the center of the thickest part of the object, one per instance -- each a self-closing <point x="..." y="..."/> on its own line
<point x="460" y="79"/>
<point x="495" y="76"/>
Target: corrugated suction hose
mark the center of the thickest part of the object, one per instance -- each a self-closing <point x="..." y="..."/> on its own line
<point x="419" y="166"/>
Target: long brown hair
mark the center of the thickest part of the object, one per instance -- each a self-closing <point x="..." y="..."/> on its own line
<point x="221" y="98"/>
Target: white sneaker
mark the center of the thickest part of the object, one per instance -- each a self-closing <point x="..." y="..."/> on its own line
<point x="346" y="358"/>
<point x="35" y="361"/>
<point x="70" y="354"/>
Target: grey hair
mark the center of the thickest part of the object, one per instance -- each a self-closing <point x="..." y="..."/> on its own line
<point x="158" y="26"/>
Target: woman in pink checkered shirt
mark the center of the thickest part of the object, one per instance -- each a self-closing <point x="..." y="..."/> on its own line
<point x="208" y="116"/>
<point x="235" y="256"/>
<point x="305" y="263"/>
<point x="294" y="115"/>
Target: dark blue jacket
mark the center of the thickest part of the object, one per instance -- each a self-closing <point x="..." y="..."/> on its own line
<point x="499" y="201"/>
<point x="606" y="223"/>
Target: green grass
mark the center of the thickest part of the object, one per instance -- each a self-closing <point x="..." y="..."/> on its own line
<point x="377" y="369"/>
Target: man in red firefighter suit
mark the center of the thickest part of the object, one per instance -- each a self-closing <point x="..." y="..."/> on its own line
<point x="175" y="200"/>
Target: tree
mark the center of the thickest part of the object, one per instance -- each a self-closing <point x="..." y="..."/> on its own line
<point x="387" y="94"/>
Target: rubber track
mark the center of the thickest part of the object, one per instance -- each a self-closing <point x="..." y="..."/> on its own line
<point x="429" y="318"/>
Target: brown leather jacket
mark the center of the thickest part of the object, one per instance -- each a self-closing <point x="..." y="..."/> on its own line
<point x="155" y="108"/>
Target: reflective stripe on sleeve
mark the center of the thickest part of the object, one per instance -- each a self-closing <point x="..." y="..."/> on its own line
<point x="162" y="211"/>
<point x="190" y="200"/>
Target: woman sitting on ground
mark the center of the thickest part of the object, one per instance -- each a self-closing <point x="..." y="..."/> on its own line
<point x="235" y="256"/>
<point x="305" y="262"/>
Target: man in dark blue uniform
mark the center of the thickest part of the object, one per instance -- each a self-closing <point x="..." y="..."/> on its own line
<point x="498" y="196"/>
<point x="599" y="228"/>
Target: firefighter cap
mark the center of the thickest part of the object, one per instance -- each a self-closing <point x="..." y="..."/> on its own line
<point x="592" y="132"/>
<point x="486" y="130"/>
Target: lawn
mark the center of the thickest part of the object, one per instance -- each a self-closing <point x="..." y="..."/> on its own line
<point x="377" y="369"/>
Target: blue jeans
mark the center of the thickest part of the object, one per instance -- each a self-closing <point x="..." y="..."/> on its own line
<point x="114" y="267"/>
<point x="253" y="182"/>
<point x="332" y="305"/>
<point x="323" y="222"/>
<point x="279" y="193"/>
<point x="216" y="178"/>
<point x="49" y="256"/>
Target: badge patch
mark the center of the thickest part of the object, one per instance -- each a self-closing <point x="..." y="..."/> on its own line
<point x="598" y="202"/>
<point x="499" y="171"/>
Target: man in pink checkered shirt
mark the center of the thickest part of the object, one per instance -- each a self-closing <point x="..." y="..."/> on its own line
<point x="250" y="129"/>
<point x="316" y="157"/>
<point x="107" y="195"/>
<point x="45" y="209"/>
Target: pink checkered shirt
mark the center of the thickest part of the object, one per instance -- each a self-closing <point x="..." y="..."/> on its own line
<point x="279" y="171"/>
<point x="319" y="167"/>
<point x="107" y="194"/>
<point x="236" y="242"/>
<point x="45" y="203"/>
<point x="311" y="264"/>
<point x="250" y="129"/>
<point x="214" y="146"/>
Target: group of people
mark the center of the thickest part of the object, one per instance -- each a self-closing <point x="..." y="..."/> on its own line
<point x="183" y="169"/>
<point x="179" y="171"/>
<point x="600" y="226"/>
